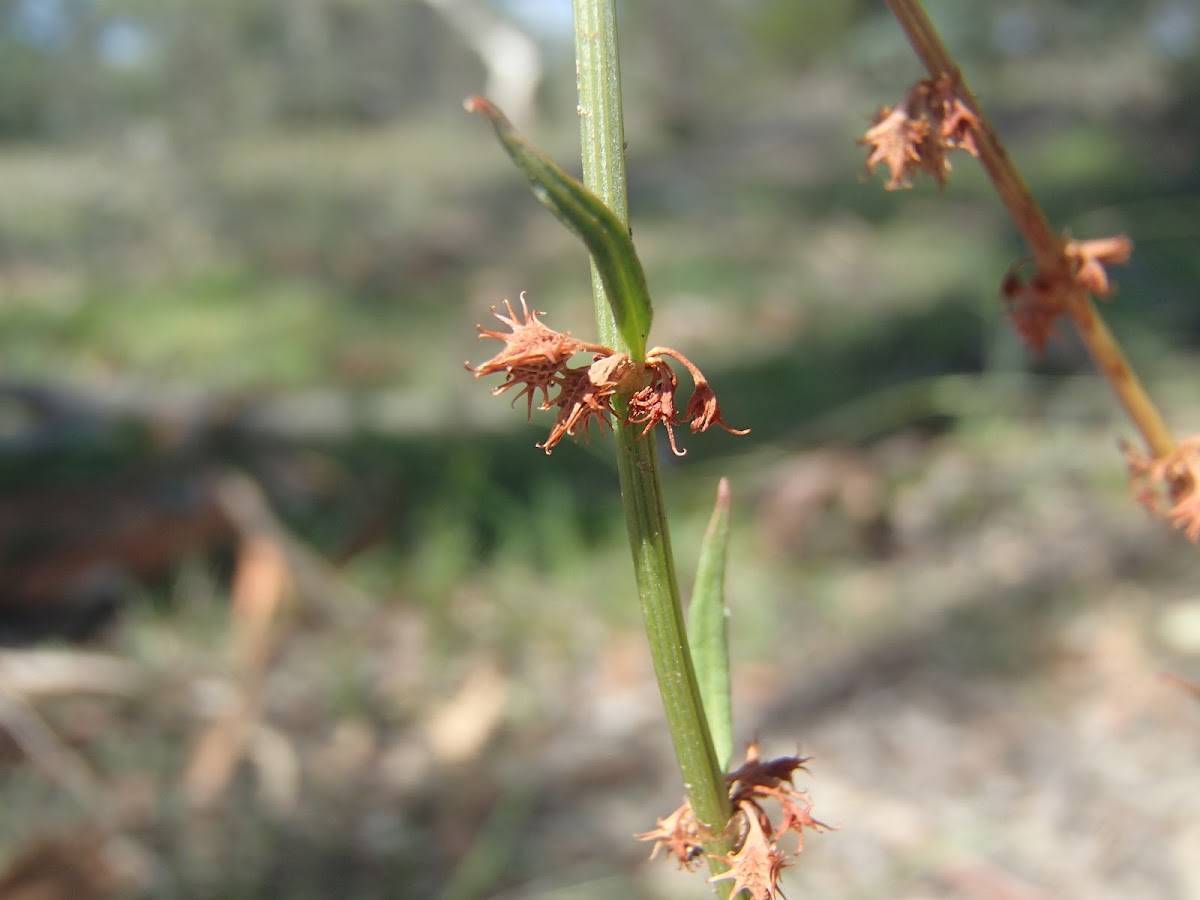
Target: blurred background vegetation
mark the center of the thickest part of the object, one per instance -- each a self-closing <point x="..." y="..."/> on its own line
<point x="293" y="608"/>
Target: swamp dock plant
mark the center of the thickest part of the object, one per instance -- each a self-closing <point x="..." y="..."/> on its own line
<point x="630" y="389"/>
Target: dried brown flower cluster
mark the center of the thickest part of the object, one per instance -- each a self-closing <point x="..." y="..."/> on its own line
<point x="1170" y="485"/>
<point x="1035" y="305"/>
<point x="918" y="134"/>
<point x="538" y="359"/>
<point x="916" y="137"/>
<point x="756" y="861"/>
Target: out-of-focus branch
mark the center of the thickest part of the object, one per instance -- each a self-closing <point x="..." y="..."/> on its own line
<point x="1049" y="250"/>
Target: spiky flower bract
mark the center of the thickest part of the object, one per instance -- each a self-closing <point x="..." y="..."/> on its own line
<point x="1169" y="486"/>
<point x="756" y="861"/>
<point x="536" y="359"/>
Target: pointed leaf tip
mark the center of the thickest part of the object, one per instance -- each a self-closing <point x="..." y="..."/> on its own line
<point x="708" y="628"/>
<point x="481" y="105"/>
<point x="724" y="494"/>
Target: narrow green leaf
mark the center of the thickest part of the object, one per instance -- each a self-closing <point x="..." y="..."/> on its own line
<point x="584" y="213"/>
<point x="708" y="631"/>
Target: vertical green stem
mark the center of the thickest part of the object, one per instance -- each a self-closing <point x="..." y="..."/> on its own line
<point x="603" y="140"/>
<point x="601" y="129"/>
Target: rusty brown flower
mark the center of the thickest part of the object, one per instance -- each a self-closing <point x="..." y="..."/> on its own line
<point x="585" y="397"/>
<point x="702" y="410"/>
<point x="1036" y="304"/>
<point x="917" y="135"/>
<point x="1169" y="486"/>
<point x="536" y="358"/>
<point x="533" y="355"/>
<point x="756" y="860"/>
<point x="1088" y="259"/>
<point x="655" y="403"/>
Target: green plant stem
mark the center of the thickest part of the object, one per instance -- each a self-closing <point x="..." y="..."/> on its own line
<point x="601" y="128"/>
<point x="603" y="142"/>
<point x="1047" y="247"/>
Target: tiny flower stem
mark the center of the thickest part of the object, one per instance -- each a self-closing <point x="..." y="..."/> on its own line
<point x="1047" y="247"/>
<point x="1106" y="353"/>
<point x="603" y="143"/>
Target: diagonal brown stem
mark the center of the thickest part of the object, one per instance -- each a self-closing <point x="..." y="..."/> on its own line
<point x="1047" y="247"/>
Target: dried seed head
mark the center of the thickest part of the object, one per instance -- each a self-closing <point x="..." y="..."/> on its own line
<point x="1169" y="486"/>
<point x="533" y="355"/>
<point x="917" y="135"/>
<point x="536" y="358"/>
<point x="586" y="396"/>
<point x="756" y="860"/>
<point x="655" y="403"/>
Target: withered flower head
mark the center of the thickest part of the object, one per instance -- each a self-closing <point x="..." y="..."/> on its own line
<point x="894" y="139"/>
<point x="680" y="835"/>
<point x="533" y="354"/>
<point x="702" y="411"/>
<point x="1035" y="306"/>
<point x="537" y="358"/>
<point x="756" y="860"/>
<point x="1175" y="477"/>
<point x="916" y="136"/>
<point x="655" y="403"/>
<point x="756" y="865"/>
<point x="586" y="396"/>
<point x="1088" y="259"/>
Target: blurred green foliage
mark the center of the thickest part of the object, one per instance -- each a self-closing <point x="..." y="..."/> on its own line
<point x="256" y="196"/>
<point x="280" y="202"/>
